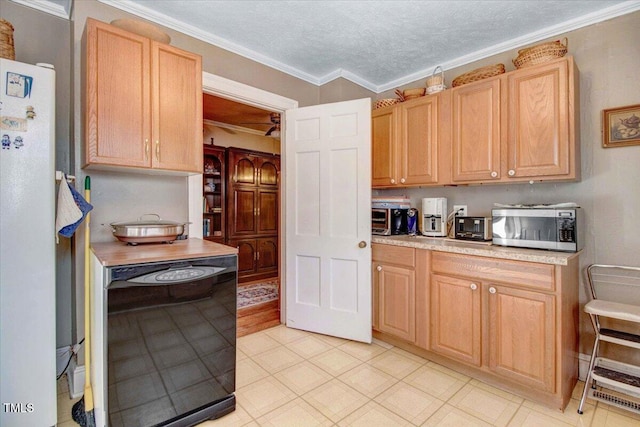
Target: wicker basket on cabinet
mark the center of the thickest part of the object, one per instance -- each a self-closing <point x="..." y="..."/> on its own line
<point x="386" y="102"/>
<point x="7" y="49"/>
<point x="540" y="53"/>
<point x="478" y="74"/>
<point x="435" y="83"/>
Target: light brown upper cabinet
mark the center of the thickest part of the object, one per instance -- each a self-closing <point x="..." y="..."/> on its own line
<point x="143" y="102"/>
<point x="519" y="126"/>
<point x="384" y="141"/>
<point x="541" y="137"/>
<point x="407" y="141"/>
<point x="476" y="131"/>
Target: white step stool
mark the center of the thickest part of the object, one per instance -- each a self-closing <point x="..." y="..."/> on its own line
<point x="610" y="381"/>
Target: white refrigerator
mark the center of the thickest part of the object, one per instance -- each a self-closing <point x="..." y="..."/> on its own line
<point x="27" y="245"/>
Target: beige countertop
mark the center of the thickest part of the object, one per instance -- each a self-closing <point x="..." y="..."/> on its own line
<point x="480" y="249"/>
<point x="119" y="253"/>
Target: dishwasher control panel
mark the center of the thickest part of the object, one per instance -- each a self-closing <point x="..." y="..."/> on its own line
<point x="178" y="275"/>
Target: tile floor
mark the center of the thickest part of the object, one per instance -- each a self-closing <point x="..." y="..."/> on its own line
<point x="286" y="377"/>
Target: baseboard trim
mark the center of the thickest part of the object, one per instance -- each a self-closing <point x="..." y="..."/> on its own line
<point x="62" y="357"/>
<point x="75" y="376"/>
<point x="583" y="366"/>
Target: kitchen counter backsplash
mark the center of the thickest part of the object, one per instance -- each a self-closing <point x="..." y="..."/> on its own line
<point x="479" y="249"/>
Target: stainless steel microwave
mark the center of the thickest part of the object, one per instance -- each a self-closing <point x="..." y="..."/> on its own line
<point x="558" y="229"/>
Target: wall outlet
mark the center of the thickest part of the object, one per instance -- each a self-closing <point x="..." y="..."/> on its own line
<point x="460" y="210"/>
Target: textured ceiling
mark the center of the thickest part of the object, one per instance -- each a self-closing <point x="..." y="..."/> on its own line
<point x="377" y="44"/>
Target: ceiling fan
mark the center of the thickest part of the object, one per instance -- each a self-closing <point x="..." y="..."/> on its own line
<point x="274" y="131"/>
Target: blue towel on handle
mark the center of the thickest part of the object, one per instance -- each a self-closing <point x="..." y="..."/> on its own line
<point x="81" y="204"/>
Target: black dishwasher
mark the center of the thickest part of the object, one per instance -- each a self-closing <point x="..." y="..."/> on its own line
<point x="171" y="342"/>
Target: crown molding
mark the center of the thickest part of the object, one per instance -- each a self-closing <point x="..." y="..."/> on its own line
<point x="166" y="21"/>
<point x="60" y="8"/>
<point x="348" y="75"/>
<point x="174" y="24"/>
<point x="519" y="42"/>
<point x="233" y="127"/>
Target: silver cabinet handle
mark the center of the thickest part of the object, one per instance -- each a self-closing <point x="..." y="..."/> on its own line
<point x="146" y="149"/>
<point x="494" y="174"/>
<point x="362" y="244"/>
<point x="393" y="181"/>
<point x="492" y="290"/>
<point x="473" y="286"/>
<point x="402" y="180"/>
<point x="379" y="268"/>
<point x="511" y="172"/>
<point x="157" y="150"/>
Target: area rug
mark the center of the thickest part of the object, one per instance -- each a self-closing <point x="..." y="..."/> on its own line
<point x="257" y="293"/>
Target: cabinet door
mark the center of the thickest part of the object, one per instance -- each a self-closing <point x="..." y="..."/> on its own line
<point x="456" y="318"/>
<point x="177" y="109"/>
<point x="375" y="297"/>
<point x="522" y="336"/>
<point x="243" y="168"/>
<point x="117" y="97"/>
<point x="257" y="258"/>
<point x="247" y="255"/>
<point x="477" y="131"/>
<point x="384" y="134"/>
<point x="396" y="296"/>
<point x="267" y="258"/>
<point x="268" y="172"/>
<point x="267" y="213"/>
<point x="419" y="143"/>
<point x="538" y="142"/>
<point x="242" y="211"/>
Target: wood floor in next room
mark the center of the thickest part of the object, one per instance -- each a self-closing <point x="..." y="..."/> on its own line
<point x="258" y="306"/>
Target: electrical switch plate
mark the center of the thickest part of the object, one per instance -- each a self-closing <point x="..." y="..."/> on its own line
<point x="458" y="208"/>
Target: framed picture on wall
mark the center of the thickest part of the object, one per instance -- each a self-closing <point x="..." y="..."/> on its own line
<point x="621" y="126"/>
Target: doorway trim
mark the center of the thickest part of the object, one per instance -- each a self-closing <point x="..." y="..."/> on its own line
<point x="245" y="94"/>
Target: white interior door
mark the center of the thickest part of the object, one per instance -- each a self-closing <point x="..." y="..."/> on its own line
<point x="328" y="219"/>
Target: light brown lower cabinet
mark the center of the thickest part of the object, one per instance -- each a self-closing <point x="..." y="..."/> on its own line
<point x="400" y="294"/>
<point x="510" y="323"/>
<point x="455" y="319"/>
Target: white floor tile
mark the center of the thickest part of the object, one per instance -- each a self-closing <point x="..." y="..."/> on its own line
<point x="288" y="377"/>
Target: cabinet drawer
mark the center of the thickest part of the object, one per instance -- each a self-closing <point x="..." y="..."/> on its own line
<point x="527" y="274"/>
<point x="397" y="255"/>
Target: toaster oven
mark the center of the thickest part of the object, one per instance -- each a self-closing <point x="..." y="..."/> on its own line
<point x="472" y="228"/>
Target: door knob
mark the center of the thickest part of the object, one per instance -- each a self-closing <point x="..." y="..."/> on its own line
<point x="362" y="244"/>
